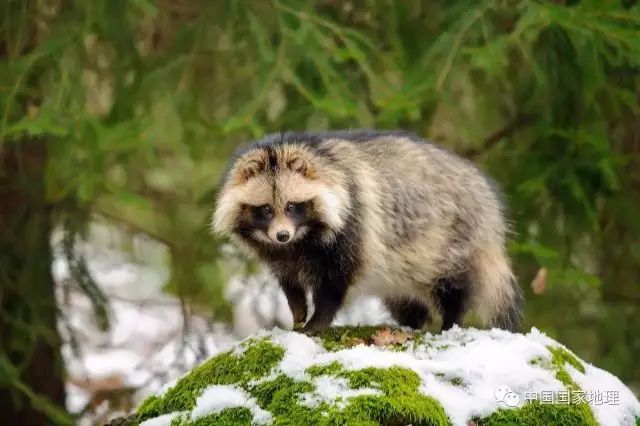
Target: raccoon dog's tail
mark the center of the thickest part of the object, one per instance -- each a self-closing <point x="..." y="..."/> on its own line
<point x="498" y="298"/>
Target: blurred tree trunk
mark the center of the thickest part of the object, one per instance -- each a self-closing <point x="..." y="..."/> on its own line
<point x="29" y="339"/>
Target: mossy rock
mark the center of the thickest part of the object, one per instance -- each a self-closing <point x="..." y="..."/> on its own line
<point x="371" y="376"/>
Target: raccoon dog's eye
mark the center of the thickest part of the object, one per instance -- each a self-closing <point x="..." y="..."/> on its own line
<point x="265" y="211"/>
<point x="294" y="209"/>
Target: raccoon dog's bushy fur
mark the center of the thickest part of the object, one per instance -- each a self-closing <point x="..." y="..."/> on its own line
<point x="384" y="213"/>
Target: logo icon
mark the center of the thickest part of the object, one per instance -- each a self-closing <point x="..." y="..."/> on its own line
<point x="508" y="397"/>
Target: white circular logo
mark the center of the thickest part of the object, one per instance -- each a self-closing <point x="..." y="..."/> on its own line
<point x="512" y="399"/>
<point x="505" y="395"/>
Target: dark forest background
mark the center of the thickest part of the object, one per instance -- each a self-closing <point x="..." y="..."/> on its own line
<point x="127" y="111"/>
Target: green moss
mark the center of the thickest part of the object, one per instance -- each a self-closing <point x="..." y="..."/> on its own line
<point x="237" y="416"/>
<point x="543" y="362"/>
<point x="564" y="377"/>
<point x="538" y="414"/>
<point x="331" y="369"/>
<point x="257" y="361"/>
<point x="425" y="340"/>
<point x="419" y="340"/>
<point x="456" y="381"/>
<point x="281" y="397"/>
<point x="179" y="420"/>
<point x="560" y="356"/>
<point x="336" y="338"/>
<point x="400" y="402"/>
<point x="279" y="393"/>
<point x="396" y="410"/>
<point x="393" y="380"/>
<point x="150" y="407"/>
<point x="397" y="347"/>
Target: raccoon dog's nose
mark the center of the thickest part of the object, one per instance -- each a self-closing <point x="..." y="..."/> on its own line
<point x="282" y="236"/>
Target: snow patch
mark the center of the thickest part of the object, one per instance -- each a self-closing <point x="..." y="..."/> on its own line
<point x="216" y="398"/>
<point x="331" y="389"/>
<point x="614" y="404"/>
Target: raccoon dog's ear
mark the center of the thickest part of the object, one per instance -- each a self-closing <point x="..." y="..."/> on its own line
<point x="300" y="165"/>
<point x="249" y="166"/>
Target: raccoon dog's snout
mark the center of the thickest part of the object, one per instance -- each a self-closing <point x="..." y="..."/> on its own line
<point x="281" y="232"/>
<point x="282" y="236"/>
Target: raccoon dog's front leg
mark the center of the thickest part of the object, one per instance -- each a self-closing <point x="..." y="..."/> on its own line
<point x="297" y="300"/>
<point x="327" y="299"/>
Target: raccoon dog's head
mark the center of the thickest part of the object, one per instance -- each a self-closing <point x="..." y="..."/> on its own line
<point x="276" y="195"/>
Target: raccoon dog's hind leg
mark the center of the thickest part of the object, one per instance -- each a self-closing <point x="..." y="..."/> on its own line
<point x="497" y="296"/>
<point x="452" y="297"/>
<point x="407" y="312"/>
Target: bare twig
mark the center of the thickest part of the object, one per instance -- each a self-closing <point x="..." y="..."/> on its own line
<point x="491" y="140"/>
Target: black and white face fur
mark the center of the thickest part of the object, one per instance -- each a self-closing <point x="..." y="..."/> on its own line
<point x="380" y="211"/>
<point x="275" y="196"/>
<point x="275" y="224"/>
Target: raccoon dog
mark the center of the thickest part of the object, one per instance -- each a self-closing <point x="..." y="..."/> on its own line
<point x="381" y="213"/>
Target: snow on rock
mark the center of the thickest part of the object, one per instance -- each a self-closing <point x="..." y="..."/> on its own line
<point x="331" y="389"/>
<point x="216" y="398"/>
<point x="461" y="375"/>
<point x="607" y="392"/>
